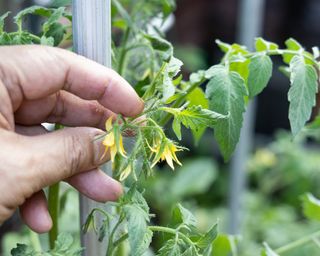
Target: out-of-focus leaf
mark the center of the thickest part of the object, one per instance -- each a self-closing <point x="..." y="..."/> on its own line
<point x="200" y="172"/>
<point x="267" y="251"/>
<point x="311" y="207"/>
<point x="224" y="245"/>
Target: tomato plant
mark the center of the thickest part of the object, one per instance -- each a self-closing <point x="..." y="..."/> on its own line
<point x="146" y="59"/>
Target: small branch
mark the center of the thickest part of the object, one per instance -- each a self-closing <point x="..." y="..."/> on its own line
<point x="123" y="52"/>
<point x="297" y="243"/>
<point x="173" y="232"/>
<point x="120" y="240"/>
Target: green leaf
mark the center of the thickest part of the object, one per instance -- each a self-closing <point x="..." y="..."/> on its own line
<point x="53" y="28"/>
<point x="302" y="93"/>
<point x="231" y="49"/>
<point x="5" y="39"/>
<point x="123" y="13"/>
<point x="311" y="207"/>
<point x="59" y="3"/>
<point x="171" y="70"/>
<point x="2" y="18"/>
<point x="47" y="41"/>
<point x="170" y="248"/>
<point x="225" y="92"/>
<point x="36" y="10"/>
<point x="136" y="211"/>
<point x="137" y="220"/>
<point x="133" y="196"/>
<point x="260" y="71"/>
<point x="189" y="174"/>
<point x="267" y="251"/>
<point x="162" y="46"/>
<point x="240" y="65"/>
<point x="63" y="243"/>
<point x="168" y="6"/>
<point x="198" y="98"/>
<point x="191" y="251"/>
<point x="206" y="240"/>
<point x="292" y="45"/>
<point x="22" y="250"/>
<point x="181" y="215"/>
<point x="176" y="127"/>
<point x="224" y="47"/>
<point x="194" y="117"/>
<point x="197" y="77"/>
<point x="263" y="45"/>
<point x="224" y="245"/>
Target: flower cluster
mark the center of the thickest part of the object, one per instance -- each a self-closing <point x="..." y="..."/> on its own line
<point x="162" y="148"/>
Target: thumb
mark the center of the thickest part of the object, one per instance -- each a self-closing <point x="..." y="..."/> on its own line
<point x="64" y="153"/>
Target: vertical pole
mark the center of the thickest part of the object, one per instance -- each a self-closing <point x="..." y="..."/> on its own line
<point x="250" y="26"/>
<point x="92" y="39"/>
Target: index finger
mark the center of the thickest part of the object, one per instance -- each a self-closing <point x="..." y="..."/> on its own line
<point x="33" y="72"/>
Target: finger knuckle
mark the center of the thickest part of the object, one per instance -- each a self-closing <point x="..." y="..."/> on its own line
<point x="74" y="153"/>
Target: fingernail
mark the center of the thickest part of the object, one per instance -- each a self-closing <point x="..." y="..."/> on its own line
<point x="100" y="155"/>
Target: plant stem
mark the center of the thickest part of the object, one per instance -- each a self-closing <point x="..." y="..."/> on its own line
<point x="53" y="200"/>
<point x="123" y="51"/>
<point x="152" y="86"/>
<point x="171" y="231"/>
<point x="33" y="37"/>
<point x="298" y="243"/>
<point x="284" y="51"/>
<point x="120" y="240"/>
<point x="111" y="247"/>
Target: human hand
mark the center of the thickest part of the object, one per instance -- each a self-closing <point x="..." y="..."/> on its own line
<point x="43" y="84"/>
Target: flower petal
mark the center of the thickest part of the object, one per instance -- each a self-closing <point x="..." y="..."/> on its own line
<point x="109" y="140"/>
<point x="109" y="124"/>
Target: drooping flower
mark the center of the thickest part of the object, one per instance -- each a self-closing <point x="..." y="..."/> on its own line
<point x="110" y="141"/>
<point x="125" y="173"/>
<point x="165" y="150"/>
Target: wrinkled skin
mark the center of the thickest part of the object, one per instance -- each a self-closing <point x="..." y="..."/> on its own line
<point x="43" y="84"/>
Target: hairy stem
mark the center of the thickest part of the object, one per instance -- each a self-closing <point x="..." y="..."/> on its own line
<point x="123" y="51"/>
<point x="53" y="201"/>
<point x="171" y="231"/>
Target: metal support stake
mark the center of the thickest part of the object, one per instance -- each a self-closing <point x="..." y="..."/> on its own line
<point x="92" y="39"/>
<point x="250" y="26"/>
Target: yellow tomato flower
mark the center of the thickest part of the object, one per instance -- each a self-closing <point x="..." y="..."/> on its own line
<point x="110" y="143"/>
<point x="168" y="153"/>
